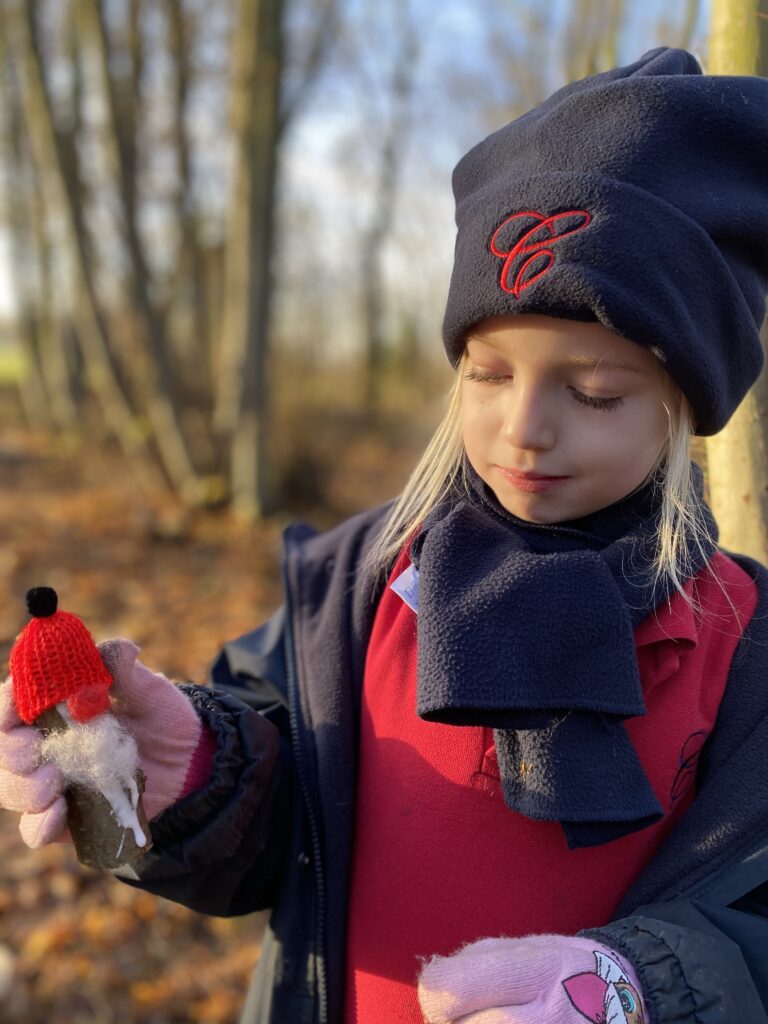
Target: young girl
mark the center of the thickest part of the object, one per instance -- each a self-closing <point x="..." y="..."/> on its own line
<point x="500" y="756"/>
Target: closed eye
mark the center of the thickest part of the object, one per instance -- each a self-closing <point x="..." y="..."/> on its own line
<point x="590" y="400"/>
<point x="484" y="378"/>
<point x="596" y="403"/>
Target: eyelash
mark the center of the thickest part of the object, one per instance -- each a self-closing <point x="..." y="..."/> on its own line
<point x="604" y="404"/>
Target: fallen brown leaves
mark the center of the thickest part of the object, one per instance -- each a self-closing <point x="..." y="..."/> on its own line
<point x="82" y="947"/>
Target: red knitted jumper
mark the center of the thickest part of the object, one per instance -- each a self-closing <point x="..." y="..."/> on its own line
<point x="440" y="860"/>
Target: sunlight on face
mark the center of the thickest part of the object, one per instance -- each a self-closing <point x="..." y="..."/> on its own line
<point x="560" y="398"/>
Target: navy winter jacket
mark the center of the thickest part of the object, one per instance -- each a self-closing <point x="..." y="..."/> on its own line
<point x="274" y="826"/>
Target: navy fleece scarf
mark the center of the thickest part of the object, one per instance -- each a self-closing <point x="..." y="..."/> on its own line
<point x="527" y="629"/>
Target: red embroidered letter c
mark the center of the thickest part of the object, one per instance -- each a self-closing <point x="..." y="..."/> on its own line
<point x="552" y="232"/>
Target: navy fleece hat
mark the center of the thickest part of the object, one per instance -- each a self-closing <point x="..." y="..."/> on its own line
<point x="639" y="198"/>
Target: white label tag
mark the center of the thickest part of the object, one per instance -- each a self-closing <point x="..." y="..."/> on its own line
<point x="407" y="586"/>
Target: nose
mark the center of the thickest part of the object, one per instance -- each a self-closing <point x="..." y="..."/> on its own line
<point x="530" y="418"/>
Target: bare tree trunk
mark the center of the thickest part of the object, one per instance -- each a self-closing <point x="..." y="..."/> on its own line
<point x="190" y="262"/>
<point x="241" y="408"/>
<point x="54" y="156"/>
<point x="394" y="141"/>
<point x="737" y="457"/>
<point x="32" y="392"/>
<point x="733" y="38"/>
<point x="46" y="388"/>
<point x="689" y="24"/>
<point x="326" y="26"/>
<point x="591" y="37"/>
<point x="161" y="395"/>
<point x="53" y="361"/>
<point x="34" y="386"/>
<point x="132" y="107"/>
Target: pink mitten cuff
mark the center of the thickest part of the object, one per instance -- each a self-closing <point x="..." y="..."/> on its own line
<point x="538" y="979"/>
<point x="201" y="765"/>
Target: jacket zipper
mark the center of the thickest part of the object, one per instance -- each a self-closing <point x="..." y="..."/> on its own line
<point x="301" y="769"/>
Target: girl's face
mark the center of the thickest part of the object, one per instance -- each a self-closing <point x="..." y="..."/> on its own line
<point x="538" y="396"/>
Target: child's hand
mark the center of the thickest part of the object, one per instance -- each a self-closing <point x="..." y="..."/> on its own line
<point x="160" y="718"/>
<point x="27" y="784"/>
<point x="539" y="979"/>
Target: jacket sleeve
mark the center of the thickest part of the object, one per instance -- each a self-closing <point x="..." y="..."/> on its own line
<point x="220" y="849"/>
<point x="702" y="959"/>
<point x="697" y="927"/>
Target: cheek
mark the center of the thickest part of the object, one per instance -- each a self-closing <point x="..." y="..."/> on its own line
<point x="599" y="436"/>
<point x="637" y="431"/>
<point x="613" y="459"/>
<point x="476" y="421"/>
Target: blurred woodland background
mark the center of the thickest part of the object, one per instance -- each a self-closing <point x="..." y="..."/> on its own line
<point x="225" y="241"/>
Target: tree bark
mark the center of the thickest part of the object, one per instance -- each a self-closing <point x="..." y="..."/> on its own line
<point x="241" y="407"/>
<point x="737" y="457"/>
<point x="734" y="37"/>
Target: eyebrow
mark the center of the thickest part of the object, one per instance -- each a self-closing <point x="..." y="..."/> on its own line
<point x="581" y="359"/>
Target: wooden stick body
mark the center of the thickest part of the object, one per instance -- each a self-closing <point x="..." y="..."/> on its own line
<point x="100" y="840"/>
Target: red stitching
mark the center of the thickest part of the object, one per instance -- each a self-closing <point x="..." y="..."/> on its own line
<point x="524" y="245"/>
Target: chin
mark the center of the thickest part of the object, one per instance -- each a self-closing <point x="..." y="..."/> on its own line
<point x="533" y="516"/>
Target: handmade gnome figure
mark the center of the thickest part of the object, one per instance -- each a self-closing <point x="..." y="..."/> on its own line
<point x="61" y="686"/>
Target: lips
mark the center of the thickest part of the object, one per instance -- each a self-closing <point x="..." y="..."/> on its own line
<point x="532" y="483"/>
<point x="529" y="476"/>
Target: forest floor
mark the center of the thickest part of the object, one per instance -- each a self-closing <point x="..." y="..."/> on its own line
<point x="77" y="946"/>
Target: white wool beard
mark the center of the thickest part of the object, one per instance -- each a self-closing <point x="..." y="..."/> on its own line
<point x="99" y="754"/>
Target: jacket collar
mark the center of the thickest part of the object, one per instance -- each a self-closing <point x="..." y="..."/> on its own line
<point x="673" y="621"/>
<point x="670" y="631"/>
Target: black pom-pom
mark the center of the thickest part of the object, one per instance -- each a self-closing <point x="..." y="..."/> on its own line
<point x="42" y="601"/>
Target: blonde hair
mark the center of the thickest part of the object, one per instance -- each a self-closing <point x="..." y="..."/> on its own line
<point x="442" y="465"/>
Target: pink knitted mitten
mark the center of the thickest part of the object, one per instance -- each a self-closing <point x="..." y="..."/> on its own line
<point x="539" y="979"/>
<point x="26" y="784"/>
<point x="175" y="749"/>
<point x="167" y="729"/>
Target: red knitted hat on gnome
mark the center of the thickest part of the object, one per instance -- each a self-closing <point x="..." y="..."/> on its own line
<point x="54" y="659"/>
